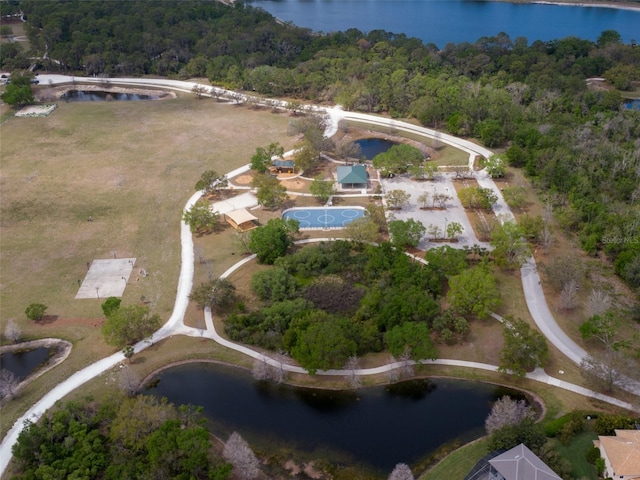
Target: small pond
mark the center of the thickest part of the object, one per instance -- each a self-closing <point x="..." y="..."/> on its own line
<point x="374" y="428"/>
<point x="101" y="96"/>
<point x="24" y="363"/>
<point x="370" y="147"/>
<point x="632" y="104"/>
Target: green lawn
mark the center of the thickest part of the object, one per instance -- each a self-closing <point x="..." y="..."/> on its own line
<point x="576" y="453"/>
<point x="456" y="465"/>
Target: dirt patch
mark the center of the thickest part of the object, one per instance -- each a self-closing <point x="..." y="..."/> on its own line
<point x="293" y="184"/>
<point x="243" y="180"/>
<point x="55" y="321"/>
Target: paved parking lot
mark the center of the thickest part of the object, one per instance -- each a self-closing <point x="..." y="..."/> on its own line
<point x="453" y="213"/>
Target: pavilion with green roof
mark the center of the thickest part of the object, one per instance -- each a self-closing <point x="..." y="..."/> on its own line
<point x="353" y="176"/>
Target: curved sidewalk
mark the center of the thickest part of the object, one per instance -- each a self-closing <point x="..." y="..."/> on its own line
<point x="175" y="325"/>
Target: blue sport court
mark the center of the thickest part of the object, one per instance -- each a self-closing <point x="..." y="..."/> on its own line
<point x="323" y="217"/>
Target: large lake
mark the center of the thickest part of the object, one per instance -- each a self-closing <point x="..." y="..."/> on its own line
<point x="373" y="427"/>
<point x="444" y="21"/>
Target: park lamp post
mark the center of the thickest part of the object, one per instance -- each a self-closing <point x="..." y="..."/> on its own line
<point x="444" y="234"/>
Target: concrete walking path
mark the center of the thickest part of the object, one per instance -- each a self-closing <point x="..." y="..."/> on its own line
<point x="175" y="325"/>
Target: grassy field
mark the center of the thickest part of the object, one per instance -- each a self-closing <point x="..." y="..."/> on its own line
<point x="129" y="165"/>
<point x="576" y="453"/>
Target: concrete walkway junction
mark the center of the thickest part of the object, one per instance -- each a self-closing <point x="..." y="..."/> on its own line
<point x="175" y="326"/>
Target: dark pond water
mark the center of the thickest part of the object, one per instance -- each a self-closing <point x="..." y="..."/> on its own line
<point x="374" y="428"/>
<point x="23" y="363"/>
<point x="456" y="21"/>
<point x="370" y="147"/>
<point x="100" y="96"/>
<point x="632" y="104"/>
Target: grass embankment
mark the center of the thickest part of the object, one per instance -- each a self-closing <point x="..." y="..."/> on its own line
<point x="458" y="463"/>
<point x="576" y="452"/>
<point x="446" y="154"/>
<point x="131" y="166"/>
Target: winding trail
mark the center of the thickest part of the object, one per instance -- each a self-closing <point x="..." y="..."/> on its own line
<point x="175" y="324"/>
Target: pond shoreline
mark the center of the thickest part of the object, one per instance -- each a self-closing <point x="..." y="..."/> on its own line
<point x="424" y="461"/>
<point x="63" y="350"/>
<point x="532" y="397"/>
<point x="49" y="94"/>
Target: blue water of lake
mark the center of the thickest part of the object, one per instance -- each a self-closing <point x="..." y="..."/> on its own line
<point x="444" y="21"/>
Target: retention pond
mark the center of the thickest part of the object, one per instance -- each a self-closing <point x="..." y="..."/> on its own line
<point x="374" y="428"/>
<point x="102" y="96"/>
<point x="370" y="147"/>
<point x="23" y="363"/>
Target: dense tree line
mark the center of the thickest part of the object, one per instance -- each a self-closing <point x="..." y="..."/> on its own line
<point x="140" y="437"/>
<point x="324" y="304"/>
<point x="579" y="146"/>
<point x="146" y="37"/>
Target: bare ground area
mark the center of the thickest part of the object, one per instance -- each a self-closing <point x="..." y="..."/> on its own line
<point x="131" y="166"/>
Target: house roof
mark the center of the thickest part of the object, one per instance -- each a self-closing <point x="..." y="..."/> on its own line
<point x="623" y="451"/>
<point x="352" y="174"/>
<point x="520" y="463"/>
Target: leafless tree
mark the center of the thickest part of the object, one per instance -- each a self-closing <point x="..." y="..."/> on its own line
<point x="8" y="385"/>
<point x="568" y="299"/>
<point x="597" y="303"/>
<point x="401" y="472"/>
<point x="609" y="370"/>
<point x="260" y="370"/>
<point x="440" y="199"/>
<point x="407" y="363"/>
<point x="352" y="365"/>
<point x="12" y="331"/>
<point x="278" y="372"/>
<point x="263" y="370"/>
<point x="215" y="93"/>
<point x="437" y="140"/>
<point x="199" y="254"/>
<point x="253" y="102"/>
<point x="241" y="240"/>
<point x="393" y="375"/>
<point x="129" y="381"/>
<point x="562" y="271"/>
<point x="546" y="238"/>
<point x="199" y="90"/>
<point x="238" y="452"/>
<point x="507" y="412"/>
<point x="348" y="151"/>
<point x="462" y="171"/>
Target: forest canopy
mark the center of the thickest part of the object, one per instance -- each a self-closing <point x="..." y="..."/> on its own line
<point x="528" y="98"/>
